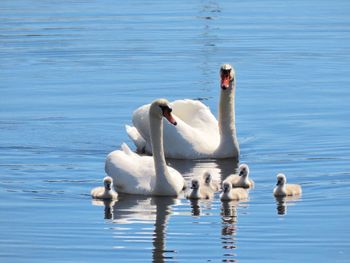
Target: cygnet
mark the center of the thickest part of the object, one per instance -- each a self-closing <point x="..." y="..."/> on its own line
<point x="209" y="182"/>
<point x="199" y="192"/>
<point x="230" y="193"/>
<point x="242" y="179"/>
<point x="284" y="189"/>
<point x="106" y="192"/>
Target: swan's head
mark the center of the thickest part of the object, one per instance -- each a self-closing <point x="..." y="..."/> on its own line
<point x="281" y="179"/>
<point x="194" y="184"/>
<point x="160" y="108"/>
<point x="227" y="76"/>
<point x="207" y="178"/>
<point x="243" y="170"/>
<point x="108" y="181"/>
<point x="226" y="187"/>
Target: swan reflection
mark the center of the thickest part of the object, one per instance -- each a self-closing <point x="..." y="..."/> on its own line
<point x="282" y="202"/>
<point x="198" y="204"/>
<point x="108" y="205"/>
<point x="196" y="209"/>
<point x="228" y="230"/>
<point x="153" y="211"/>
<point x="219" y="169"/>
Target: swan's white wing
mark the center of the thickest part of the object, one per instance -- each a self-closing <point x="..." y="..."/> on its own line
<point x="195" y="114"/>
<point x="131" y="173"/>
<point x="136" y="137"/>
<point x="195" y="134"/>
<point x="135" y="174"/>
<point x="140" y="119"/>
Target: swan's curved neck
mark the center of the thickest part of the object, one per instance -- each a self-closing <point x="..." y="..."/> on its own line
<point x="227" y="126"/>
<point x="163" y="181"/>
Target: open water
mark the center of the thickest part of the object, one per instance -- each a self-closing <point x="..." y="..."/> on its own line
<point x="73" y="71"/>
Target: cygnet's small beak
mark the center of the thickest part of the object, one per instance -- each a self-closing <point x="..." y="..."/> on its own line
<point x="108" y="186"/>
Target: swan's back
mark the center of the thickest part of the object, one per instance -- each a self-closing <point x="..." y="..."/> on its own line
<point x="195" y="125"/>
<point x="131" y="173"/>
<point x="135" y="174"/>
<point x="195" y="114"/>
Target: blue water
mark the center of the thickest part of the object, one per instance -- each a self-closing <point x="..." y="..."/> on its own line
<point x="72" y="72"/>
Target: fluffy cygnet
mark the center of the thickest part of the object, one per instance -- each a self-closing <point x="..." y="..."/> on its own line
<point x="209" y="182"/>
<point x="106" y="192"/>
<point x="230" y="193"/>
<point x="242" y="179"/>
<point x="284" y="189"/>
<point x="199" y="191"/>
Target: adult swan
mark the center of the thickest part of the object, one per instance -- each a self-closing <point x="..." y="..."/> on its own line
<point x="145" y="175"/>
<point x="198" y="134"/>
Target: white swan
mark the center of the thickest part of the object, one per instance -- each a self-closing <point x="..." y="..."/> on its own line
<point x="198" y="134"/>
<point x="229" y="193"/>
<point x="145" y="175"/>
<point x="242" y="179"/>
<point x="106" y="192"/>
<point x="200" y="191"/>
<point x="284" y="189"/>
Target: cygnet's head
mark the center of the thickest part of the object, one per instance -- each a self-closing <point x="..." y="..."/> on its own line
<point x="243" y="170"/>
<point x="207" y="178"/>
<point x="226" y="187"/>
<point x="108" y="181"/>
<point x="194" y="184"/>
<point x="281" y="179"/>
<point x="227" y="76"/>
<point x="160" y="108"/>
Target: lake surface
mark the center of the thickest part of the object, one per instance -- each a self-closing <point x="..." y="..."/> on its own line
<point x="71" y="74"/>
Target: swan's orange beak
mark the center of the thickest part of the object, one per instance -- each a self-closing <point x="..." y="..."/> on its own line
<point x="225" y="79"/>
<point x="169" y="117"/>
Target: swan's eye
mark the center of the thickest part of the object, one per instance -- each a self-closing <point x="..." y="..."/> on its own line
<point x="165" y="108"/>
<point x="225" y="73"/>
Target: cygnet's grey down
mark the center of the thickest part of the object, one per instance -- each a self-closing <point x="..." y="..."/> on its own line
<point x="199" y="190"/>
<point x="230" y="193"/>
<point x="242" y="179"/>
<point x="209" y="182"/>
<point x="106" y="192"/>
<point x="284" y="189"/>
